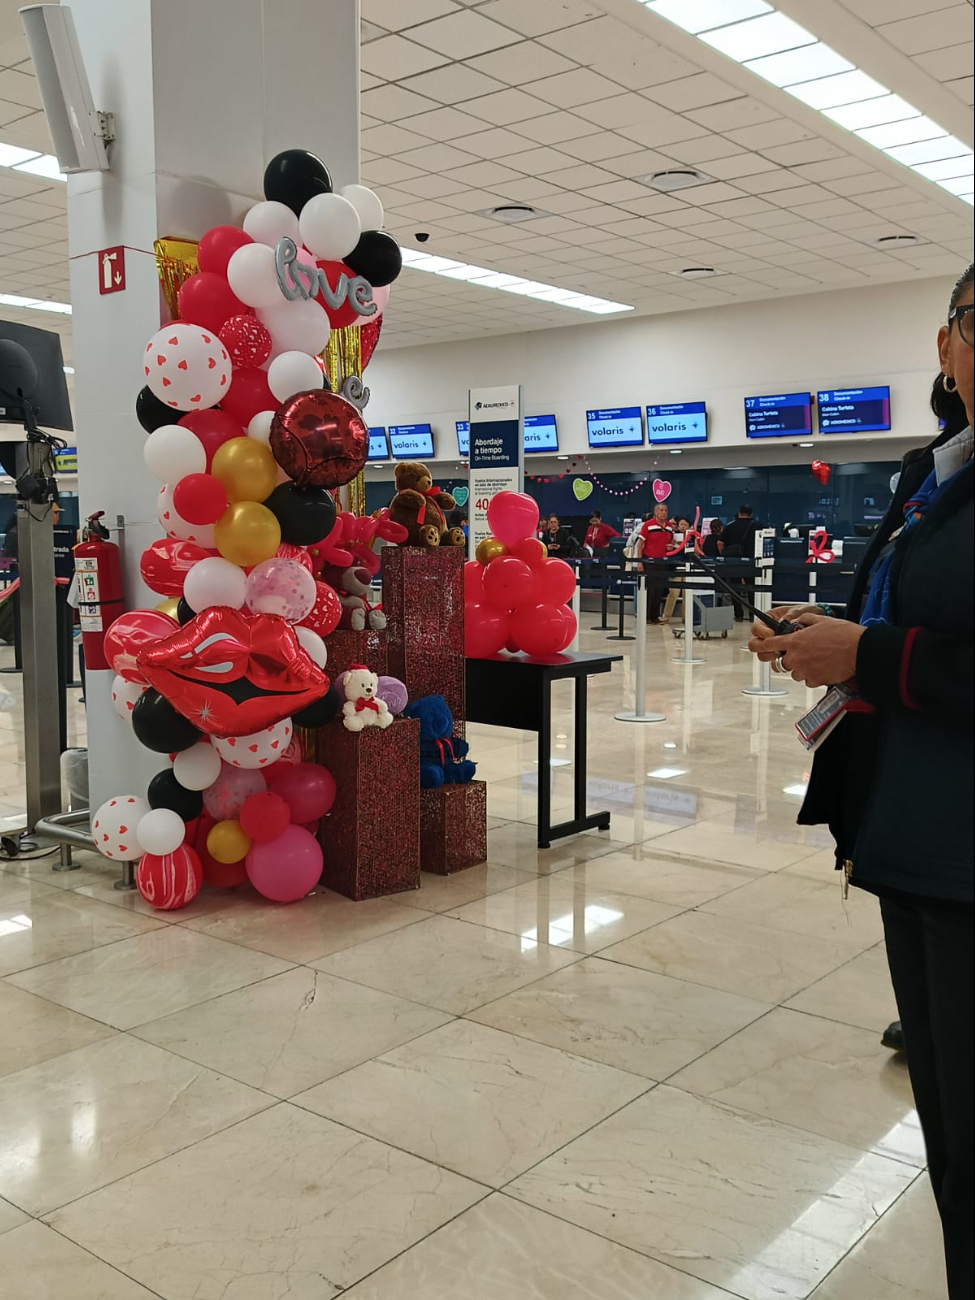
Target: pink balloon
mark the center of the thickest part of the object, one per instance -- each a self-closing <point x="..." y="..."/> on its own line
<point x="473" y="581"/>
<point x="308" y="790"/>
<point x="230" y="791"/>
<point x="538" y="629"/>
<point x="287" y="868"/>
<point x="485" y="630"/>
<point x="571" y="623"/>
<point x="509" y="582"/>
<point x="555" y="581"/>
<point x="380" y="296"/>
<point x="512" y="516"/>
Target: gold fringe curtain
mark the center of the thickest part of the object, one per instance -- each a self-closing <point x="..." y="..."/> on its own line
<point x="343" y="357"/>
<point x="175" y="262"/>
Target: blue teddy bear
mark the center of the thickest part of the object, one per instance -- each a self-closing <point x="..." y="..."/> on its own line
<point x="443" y="756"/>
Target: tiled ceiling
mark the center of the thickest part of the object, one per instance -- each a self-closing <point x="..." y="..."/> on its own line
<point x="565" y="106"/>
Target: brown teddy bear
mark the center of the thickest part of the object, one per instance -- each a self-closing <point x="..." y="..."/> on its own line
<point x="419" y="507"/>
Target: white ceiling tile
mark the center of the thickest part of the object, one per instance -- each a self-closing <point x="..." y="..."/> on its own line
<point x="20" y="88"/>
<point x="495" y="143"/>
<point x="463" y="34"/>
<point x="946" y="64"/>
<point x="566" y="201"/>
<point x="539" y="16"/>
<point x="394" y="15"/>
<point x="770" y="182"/>
<point x="437" y="157"/>
<point x="388" y="171"/>
<point x="668" y="128"/>
<point x="536" y="162"/>
<point x="621" y="110"/>
<point x="483" y="173"/>
<point x="718" y="192"/>
<point x="582" y="177"/>
<point x="697" y="91"/>
<point x="597" y="147"/>
<point x="390" y="139"/>
<point x="767" y="135"/>
<point x="699" y="151"/>
<point x="431" y="187"/>
<point x="929" y="31"/>
<point x="617" y="191"/>
<point x="368" y="82"/>
<point x="831" y="169"/>
<point x="10" y="113"/>
<point x="734" y="114"/>
<point x="519" y="64"/>
<point x="802" y="151"/>
<point x="554" y="128"/>
<point x="738" y="209"/>
<point x="29" y="132"/>
<point x="640" y="163"/>
<point x="574" y="89"/>
<point x="866" y="183"/>
<point x="369" y="31"/>
<point x="507" y="106"/>
<point x="393" y="103"/>
<point x="443" y="123"/>
<point x="452" y="84"/>
<point x="964" y="88"/>
<point x="797" y="197"/>
<point x="394" y="57"/>
<point x="740" y="164"/>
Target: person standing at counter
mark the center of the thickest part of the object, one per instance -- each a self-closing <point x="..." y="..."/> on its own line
<point x="598" y="534"/>
<point x="655" y="541"/>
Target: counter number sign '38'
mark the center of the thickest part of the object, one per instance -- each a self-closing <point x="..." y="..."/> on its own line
<point x="111" y="269"/>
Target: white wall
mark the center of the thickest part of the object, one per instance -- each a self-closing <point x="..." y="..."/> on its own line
<point x="883" y="334"/>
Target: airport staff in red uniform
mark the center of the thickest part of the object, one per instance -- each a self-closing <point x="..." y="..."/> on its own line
<point x="656" y="541"/>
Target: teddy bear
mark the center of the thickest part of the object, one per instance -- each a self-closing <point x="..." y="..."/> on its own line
<point x="362" y="707"/>
<point x="419" y="507"/>
<point x="443" y="756"/>
<point x="352" y="585"/>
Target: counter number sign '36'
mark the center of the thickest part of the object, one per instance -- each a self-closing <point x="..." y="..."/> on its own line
<point x="111" y="269"/>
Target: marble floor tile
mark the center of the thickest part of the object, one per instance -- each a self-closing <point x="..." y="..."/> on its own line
<point x="447" y="964"/>
<point x="152" y="975"/>
<point x="505" y="1250"/>
<point x="58" y="923"/>
<point x="821" y="866"/>
<point x="566" y="913"/>
<point x="320" y="924"/>
<point x="11" y="1217"/>
<point x="679" y="882"/>
<point x="757" y="1207"/>
<point x="831" y="1079"/>
<point x="901" y="1258"/>
<point x="628" y="1018"/>
<point x="802" y="906"/>
<point x="737" y="956"/>
<point x="516" y="845"/>
<point x="37" y="1263"/>
<point x="720" y="841"/>
<point x="291" y="1031"/>
<point x="442" y="893"/>
<point x="33" y="1030"/>
<point x="83" y="1119"/>
<point x="475" y="1100"/>
<point x="859" y="993"/>
<point x="295" y="1206"/>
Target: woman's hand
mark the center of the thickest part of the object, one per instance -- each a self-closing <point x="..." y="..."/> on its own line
<point x="762" y="634"/>
<point x="821" y="653"/>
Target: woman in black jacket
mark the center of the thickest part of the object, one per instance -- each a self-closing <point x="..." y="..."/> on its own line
<point x="894" y="781"/>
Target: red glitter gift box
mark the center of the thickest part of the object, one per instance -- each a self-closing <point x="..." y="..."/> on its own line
<point x="371" y="838"/>
<point x="453" y="827"/>
<point x="346" y="648"/>
<point x="423" y="599"/>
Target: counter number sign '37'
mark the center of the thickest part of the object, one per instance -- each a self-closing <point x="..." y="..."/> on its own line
<point x="111" y="269"/>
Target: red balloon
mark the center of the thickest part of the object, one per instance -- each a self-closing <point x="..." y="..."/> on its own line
<point x="529" y="549"/>
<point x="288" y="551"/>
<point x="232" y="673"/>
<point x="264" y="816"/>
<point x="166" y="562"/>
<point x="512" y="516"/>
<point x="169" y="880"/>
<point x="555" y="581"/>
<point x="248" y="393"/>
<point x="485" y="630"/>
<point x="326" y="613"/>
<point x="821" y="471"/>
<point x="344" y="314"/>
<point x="571" y="624"/>
<point x="308" y="790"/>
<point x="318" y="438"/>
<point x="247" y="340"/>
<point x="199" y="499"/>
<point x="538" y="629"/>
<point x="508" y="582"/>
<point x="213" y="427"/>
<point x="474" y="582"/>
<point x="218" y="246"/>
<point x="207" y="299"/>
<point x="131" y="633"/>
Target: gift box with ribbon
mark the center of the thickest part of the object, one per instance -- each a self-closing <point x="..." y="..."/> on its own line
<point x="453" y="827"/>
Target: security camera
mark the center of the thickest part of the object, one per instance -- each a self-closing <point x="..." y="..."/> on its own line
<point x="421" y="236"/>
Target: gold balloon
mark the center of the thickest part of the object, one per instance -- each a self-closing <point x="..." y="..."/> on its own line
<point x="247" y="533"/>
<point x="228" y="842"/>
<point x="246" y="468"/>
<point x="489" y="549"/>
<point x="544" y="551"/>
<point x="169" y="606"/>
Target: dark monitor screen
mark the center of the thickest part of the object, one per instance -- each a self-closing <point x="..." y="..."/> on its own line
<point x="854" y="410"/>
<point x="540" y="433"/>
<point x="463" y="437"/>
<point x="677" y="422"/>
<point x="780" y="415"/>
<point x="378" y="446"/>
<point x="619" y="426"/>
<point x="407" y="441"/>
<point x="49" y="399"/>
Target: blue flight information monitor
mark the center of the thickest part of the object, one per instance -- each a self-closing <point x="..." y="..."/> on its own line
<point x="677" y="422"/>
<point x="780" y="415"/>
<point x="463" y="437"/>
<point x="620" y="426"/>
<point x="408" y="441"/>
<point x="378" y="446"/>
<point x="854" y="410"/>
<point x="540" y="433"/>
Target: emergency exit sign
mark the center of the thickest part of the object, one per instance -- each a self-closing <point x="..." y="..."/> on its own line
<point x="111" y="269"/>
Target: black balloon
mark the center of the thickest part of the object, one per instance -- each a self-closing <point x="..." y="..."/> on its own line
<point x="152" y="414"/>
<point x="295" y="176"/>
<point x="166" y="792"/>
<point x="159" y="727"/>
<point x="376" y="256"/>
<point x="183" y="611"/>
<point x="306" y="515"/>
<point x="321" y="711"/>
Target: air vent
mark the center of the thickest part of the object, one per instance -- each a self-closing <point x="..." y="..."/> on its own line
<point x="896" y="241"/>
<point x="675" y="178"/>
<point x="697" y="272"/>
<point x="513" y="213"/>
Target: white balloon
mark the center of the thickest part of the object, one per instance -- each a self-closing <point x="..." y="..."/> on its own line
<point x="299" y="326"/>
<point x="367" y="203"/>
<point x="114" y="826"/>
<point x="176" y="526"/>
<point x="214" y="581"/>
<point x="329" y="227"/>
<point x="251" y="275"/>
<point x="258" y="750"/>
<point x="197" y="767"/>
<point x="260" y="427"/>
<point x="124" y="697"/>
<point x="172" y="452"/>
<point x="160" y="831"/>
<point x="186" y="366"/>
<point x="268" y="222"/>
<point x="293" y="372"/>
<point x="313" y="645"/>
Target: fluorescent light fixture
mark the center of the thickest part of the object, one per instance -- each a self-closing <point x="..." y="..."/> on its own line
<point x="34" y="304"/>
<point x="676" y="451"/>
<point x="11" y="155"/>
<point x="871" y="112"/>
<point x="805" y="64"/>
<point x="807" y="444"/>
<point x="45" y="164"/>
<point x="946" y="169"/>
<point x="670" y="744"/>
<point x="845" y="88"/>
<point x="756" y="37"/>
<point x="489" y="279"/>
<point x="910" y="131"/>
<point x="959" y="186"/>
<point x="665" y="773"/>
<point x="944" y="146"/>
<point x="701" y="15"/>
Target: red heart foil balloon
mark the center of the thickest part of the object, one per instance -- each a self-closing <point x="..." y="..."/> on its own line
<point x="166" y="562"/>
<point x="232" y="673"/>
<point x="369" y="334"/>
<point x="821" y="471"/>
<point x="319" y="439"/>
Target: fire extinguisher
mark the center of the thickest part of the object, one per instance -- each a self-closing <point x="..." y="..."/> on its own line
<point x="99" y="572"/>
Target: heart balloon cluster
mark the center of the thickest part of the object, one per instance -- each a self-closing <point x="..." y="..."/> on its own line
<point x="515" y="595"/>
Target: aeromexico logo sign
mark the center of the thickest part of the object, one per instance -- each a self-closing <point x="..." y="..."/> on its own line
<point x="299" y="280"/>
<point x="508" y="405"/>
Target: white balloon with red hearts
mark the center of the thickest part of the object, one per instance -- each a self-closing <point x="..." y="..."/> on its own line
<point x="124" y="697"/>
<point x="187" y="367"/>
<point x="115" y="824"/>
<point x="260" y="749"/>
<point x="176" y="526"/>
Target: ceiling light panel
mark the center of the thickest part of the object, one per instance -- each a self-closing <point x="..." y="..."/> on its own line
<point x="34" y="304"/>
<point x="808" y="63"/>
<point x="871" y="112"/>
<point x="757" y="37"/>
<point x="701" y="15"/>
<point x="485" y="278"/>
<point x="44" y="164"/>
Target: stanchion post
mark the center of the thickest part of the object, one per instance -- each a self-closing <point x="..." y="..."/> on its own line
<point x="688" y="657"/>
<point x="621" y="635"/>
<point x="639" y="712"/>
<point x="764" y="562"/>
<point x="577" y="608"/>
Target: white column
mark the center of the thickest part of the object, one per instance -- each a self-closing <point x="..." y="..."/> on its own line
<point x="204" y="94"/>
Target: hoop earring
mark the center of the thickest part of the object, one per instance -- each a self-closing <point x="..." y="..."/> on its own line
<point x="948" y="383"/>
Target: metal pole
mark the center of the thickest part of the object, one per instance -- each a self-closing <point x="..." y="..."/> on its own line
<point x="639" y="712"/>
<point x="621" y="635"/>
<point x="688" y="657"/>
<point x="576" y="609"/>
<point x="762" y="672"/>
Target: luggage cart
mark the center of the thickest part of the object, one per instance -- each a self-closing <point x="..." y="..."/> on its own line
<point x="714" y="615"/>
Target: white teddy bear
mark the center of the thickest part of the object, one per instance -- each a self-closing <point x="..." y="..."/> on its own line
<point x="362" y="707"/>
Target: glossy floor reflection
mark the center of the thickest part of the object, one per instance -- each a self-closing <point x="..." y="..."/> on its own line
<point x="643" y="1064"/>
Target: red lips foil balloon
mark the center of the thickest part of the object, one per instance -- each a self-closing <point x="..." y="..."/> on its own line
<point x="231" y="673"/>
<point x="319" y="439"/>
